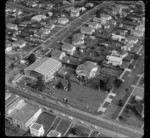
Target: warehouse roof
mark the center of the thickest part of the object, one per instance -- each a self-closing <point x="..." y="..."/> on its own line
<point x="25" y="113"/>
<point x="44" y="65"/>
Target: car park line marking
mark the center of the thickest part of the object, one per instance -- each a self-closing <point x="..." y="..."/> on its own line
<point x="128" y="99"/>
<point x="58" y="123"/>
<point x="68" y="129"/>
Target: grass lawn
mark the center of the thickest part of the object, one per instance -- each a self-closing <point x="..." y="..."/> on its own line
<point x="84" y="130"/>
<point x="106" y="104"/>
<point x="131" y="119"/>
<point x="46" y="119"/>
<point x="82" y="95"/>
<point x="63" y="126"/>
<point x="125" y="75"/>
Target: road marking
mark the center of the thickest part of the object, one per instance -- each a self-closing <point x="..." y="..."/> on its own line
<point x="139" y="50"/>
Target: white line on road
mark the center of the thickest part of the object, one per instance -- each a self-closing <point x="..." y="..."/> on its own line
<point x="139" y="50"/>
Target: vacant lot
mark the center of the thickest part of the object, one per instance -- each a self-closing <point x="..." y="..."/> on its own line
<point x="63" y="126"/>
<point x="81" y="131"/>
<point x="81" y="96"/>
<point x="46" y="119"/>
<point x="131" y="118"/>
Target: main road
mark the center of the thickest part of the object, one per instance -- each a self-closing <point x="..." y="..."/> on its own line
<point x="125" y="130"/>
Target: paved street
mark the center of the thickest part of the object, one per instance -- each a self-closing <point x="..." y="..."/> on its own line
<point x="81" y="115"/>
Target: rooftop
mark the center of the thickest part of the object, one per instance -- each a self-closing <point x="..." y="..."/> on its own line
<point x="53" y="133"/>
<point x="44" y="65"/>
<point x="36" y="126"/>
<point x="25" y="113"/>
<point x="10" y="100"/>
<point x="56" y="53"/>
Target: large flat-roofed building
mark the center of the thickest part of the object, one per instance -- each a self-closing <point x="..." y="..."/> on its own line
<point x="10" y="99"/>
<point x="44" y="67"/>
<point x="25" y="115"/>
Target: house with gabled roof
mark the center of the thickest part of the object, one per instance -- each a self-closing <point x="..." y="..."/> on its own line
<point x="87" y="69"/>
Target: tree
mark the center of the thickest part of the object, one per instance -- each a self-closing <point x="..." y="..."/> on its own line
<point x="118" y="82"/>
<point x="136" y="56"/>
<point x="31" y="58"/>
<point x="120" y="103"/>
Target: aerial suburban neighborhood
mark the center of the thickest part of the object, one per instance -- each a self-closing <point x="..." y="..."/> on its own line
<point x="74" y="68"/>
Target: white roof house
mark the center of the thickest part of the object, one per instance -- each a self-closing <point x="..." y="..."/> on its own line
<point x="118" y="54"/>
<point x="77" y="41"/>
<point x="62" y="20"/>
<point x="38" y="18"/>
<point x="54" y="133"/>
<point x="36" y="130"/>
<point x="70" y="49"/>
<point x="105" y="17"/>
<point x="74" y="13"/>
<point x="117" y="37"/>
<point x="87" y="30"/>
<point x="94" y="25"/>
<point x="114" y="60"/>
<point x="127" y="47"/>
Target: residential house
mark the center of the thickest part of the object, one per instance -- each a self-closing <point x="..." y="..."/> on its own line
<point x="90" y="4"/>
<point x="57" y="54"/>
<point x="37" y="130"/>
<point x="95" y="19"/>
<point x="54" y="133"/>
<point x="117" y="37"/>
<point x="121" y="54"/>
<point x="137" y="33"/>
<point x="87" y="30"/>
<point x="63" y="71"/>
<point x="114" y="60"/>
<point x="70" y="49"/>
<point x="127" y="47"/>
<point x="77" y="41"/>
<point x="25" y="115"/>
<point x="132" y="39"/>
<point x="74" y="13"/>
<point x="87" y="69"/>
<point x="62" y="20"/>
<point x="70" y="8"/>
<point x="12" y="26"/>
<point x="44" y="67"/>
<point x="78" y="36"/>
<point x="140" y="27"/>
<point x="94" y="25"/>
<point x="50" y="25"/>
<point x="20" y="43"/>
<point x="106" y="25"/>
<point x="50" y="14"/>
<point x="38" y="18"/>
<point x="82" y="9"/>
<point x="8" y="49"/>
<point x="105" y="17"/>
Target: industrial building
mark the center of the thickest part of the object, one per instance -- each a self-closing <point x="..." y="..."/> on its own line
<point x="44" y="67"/>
